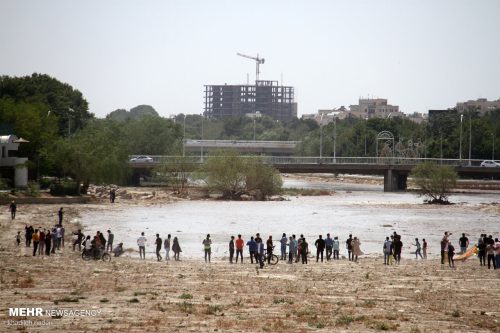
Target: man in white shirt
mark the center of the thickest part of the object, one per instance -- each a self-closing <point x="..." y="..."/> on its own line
<point x="141" y="241"/>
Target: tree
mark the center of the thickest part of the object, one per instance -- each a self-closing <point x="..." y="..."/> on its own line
<point x="234" y="175"/>
<point x="434" y="181"/>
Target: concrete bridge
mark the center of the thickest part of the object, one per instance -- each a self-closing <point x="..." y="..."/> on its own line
<point x="394" y="169"/>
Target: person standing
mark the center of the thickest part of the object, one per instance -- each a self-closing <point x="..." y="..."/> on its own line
<point x="48" y="242"/>
<point x="58" y="236"/>
<point x="78" y="236"/>
<point x="231" y="250"/>
<point x="166" y="245"/>
<point x="497" y="253"/>
<point x="260" y="252"/>
<point x="329" y="246"/>
<point x="207" y="246"/>
<point x="348" y="245"/>
<point x="356" y="249"/>
<point x="112" y="195"/>
<point x="336" y="248"/>
<point x="481" y="245"/>
<point x="464" y="244"/>
<point x="418" y="250"/>
<point x="60" y="213"/>
<point x="320" y="247"/>
<point x="158" y="243"/>
<point x="291" y="250"/>
<point x="54" y="240"/>
<point x="177" y="249"/>
<point x="304" y="249"/>
<point x="490" y="251"/>
<point x="283" y="242"/>
<point x="270" y="248"/>
<point x="111" y="238"/>
<point x="451" y="253"/>
<point x="252" y="249"/>
<point x="239" y="248"/>
<point x="387" y="250"/>
<point x="444" y="247"/>
<point x="141" y="242"/>
<point x="36" y="239"/>
<point x="13" y="209"/>
<point x="28" y="232"/>
<point x="397" y="248"/>
<point x="41" y="243"/>
<point x="424" y="247"/>
<point x="18" y="238"/>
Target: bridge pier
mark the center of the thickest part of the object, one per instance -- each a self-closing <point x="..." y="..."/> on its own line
<point x="394" y="181"/>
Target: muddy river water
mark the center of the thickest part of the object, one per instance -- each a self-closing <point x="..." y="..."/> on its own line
<point x="363" y="210"/>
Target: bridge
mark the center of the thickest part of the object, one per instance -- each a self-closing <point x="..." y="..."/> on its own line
<point x="394" y="169"/>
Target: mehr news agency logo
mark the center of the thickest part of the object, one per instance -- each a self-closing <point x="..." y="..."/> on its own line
<point x="42" y="313"/>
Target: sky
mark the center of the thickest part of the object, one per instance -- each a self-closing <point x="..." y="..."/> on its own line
<point x="419" y="54"/>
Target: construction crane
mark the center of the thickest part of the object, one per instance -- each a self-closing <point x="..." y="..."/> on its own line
<point x="258" y="61"/>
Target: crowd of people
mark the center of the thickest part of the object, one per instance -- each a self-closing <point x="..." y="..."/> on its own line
<point x="47" y="241"/>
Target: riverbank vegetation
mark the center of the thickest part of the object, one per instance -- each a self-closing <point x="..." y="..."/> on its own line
<point x="434" y="181"/>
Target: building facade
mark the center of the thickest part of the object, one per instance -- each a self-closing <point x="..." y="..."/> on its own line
<point x="266" y="97"/>
<point x="11" y="166"/>
<point x="374" y="108"/>
<point x="482" y="105"/>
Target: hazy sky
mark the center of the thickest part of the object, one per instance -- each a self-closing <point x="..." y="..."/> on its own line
<point x="419" y="54"/>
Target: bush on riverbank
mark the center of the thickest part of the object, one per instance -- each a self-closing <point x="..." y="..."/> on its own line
<point x="434" y="181"/>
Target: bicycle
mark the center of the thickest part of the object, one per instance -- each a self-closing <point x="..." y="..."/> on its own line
<point x="274" y="258"/>
<point x="88" y="255"/>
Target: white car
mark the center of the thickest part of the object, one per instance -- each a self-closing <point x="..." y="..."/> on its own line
<point x="490" y="164"/>
<point x="141" y="159"/>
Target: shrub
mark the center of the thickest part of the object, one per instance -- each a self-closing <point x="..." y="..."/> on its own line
<point x="434" y="181"/>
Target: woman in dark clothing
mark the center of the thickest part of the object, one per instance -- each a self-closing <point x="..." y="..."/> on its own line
<point x="176" y="248"/>
<point x="48" y="241"/>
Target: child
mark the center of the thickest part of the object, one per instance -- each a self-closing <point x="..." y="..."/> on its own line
<point x="18" y="238"/>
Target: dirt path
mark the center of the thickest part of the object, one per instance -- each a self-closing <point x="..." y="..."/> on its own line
<point x="190" y="296"/>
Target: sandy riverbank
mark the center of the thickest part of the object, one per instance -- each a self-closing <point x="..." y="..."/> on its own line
<point x="190" y="296"/>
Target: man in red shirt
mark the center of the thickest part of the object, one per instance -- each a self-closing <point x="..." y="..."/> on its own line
<point x="239" y="248"/>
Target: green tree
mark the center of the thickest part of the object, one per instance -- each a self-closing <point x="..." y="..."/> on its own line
<point x="233" y="175"/>
<point x="434" y="181"/>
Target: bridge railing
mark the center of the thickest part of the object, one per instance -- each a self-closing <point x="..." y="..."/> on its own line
<point x="277" y="160"/>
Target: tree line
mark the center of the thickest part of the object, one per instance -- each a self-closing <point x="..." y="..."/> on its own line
<point x="65" y="139"/>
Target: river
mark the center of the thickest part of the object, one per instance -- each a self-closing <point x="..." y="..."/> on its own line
<point x="363" y="210"/>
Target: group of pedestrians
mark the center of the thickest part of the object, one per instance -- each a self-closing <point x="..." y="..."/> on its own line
<point x="393" y="246"/>
<point x="45" y="241"/>
<point x="168" y="245"/>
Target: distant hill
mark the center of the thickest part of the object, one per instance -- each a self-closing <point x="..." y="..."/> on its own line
<point x="134" y="113"/>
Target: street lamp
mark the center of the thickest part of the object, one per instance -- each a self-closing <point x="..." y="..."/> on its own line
<point x="202" y="116"/>
<point x="184" y="138"/>
<point x="470" y="136"/>
<point x="460" y="152"/>
<point x="335" y="137"/>
<point x="321" y="136"/>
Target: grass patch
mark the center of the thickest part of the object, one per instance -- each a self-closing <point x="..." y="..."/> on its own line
<point x="67" y="300"/>
<point x="186" y="307"/>
<point x="186" y="296"/>
<point x="120" y="289"/>
<point x="305" y="192"/>
<point x="104" y="300"/>
<point x="279" y="300"/>
<point x="345" y="320"/>
<point x="455" y="314"/>
<point x="133" y="300"/>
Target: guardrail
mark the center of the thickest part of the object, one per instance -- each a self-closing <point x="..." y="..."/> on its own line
<point x="277" y="160"/>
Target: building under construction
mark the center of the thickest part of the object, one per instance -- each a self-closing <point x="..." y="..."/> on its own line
<point x="265" y="97"/>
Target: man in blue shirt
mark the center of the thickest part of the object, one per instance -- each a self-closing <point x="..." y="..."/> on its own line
<point x="329" y="246"/>
<point x="252" y="249"/>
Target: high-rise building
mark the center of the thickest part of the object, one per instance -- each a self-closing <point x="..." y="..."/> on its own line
<point x="265" y="97"/>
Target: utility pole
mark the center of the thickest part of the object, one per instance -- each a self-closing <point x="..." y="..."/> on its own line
<point x="493" y="149"/>
<point x="202" y="116"/>
<point x="460" y="152"/>
<point x="321" y="136"/>
<point x="335" y="137"/>
<point x="470" y="136"/>
<point x="184" y="138"/>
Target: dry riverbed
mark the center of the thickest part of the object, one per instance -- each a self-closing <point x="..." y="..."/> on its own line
<point x="191" y="296"/>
